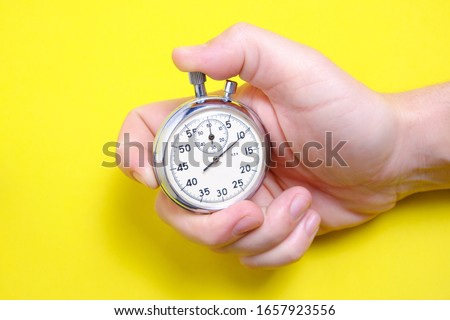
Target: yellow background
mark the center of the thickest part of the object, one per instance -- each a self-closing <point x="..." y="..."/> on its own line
<point x="72" y="229"/>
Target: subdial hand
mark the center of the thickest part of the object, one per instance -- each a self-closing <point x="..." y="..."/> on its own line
<point x="211" y="136"/>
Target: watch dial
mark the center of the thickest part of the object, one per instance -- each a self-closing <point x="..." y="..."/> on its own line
<point x="216" y="157"/>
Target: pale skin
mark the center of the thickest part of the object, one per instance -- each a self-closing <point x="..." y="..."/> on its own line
<point x="398" y="144"/>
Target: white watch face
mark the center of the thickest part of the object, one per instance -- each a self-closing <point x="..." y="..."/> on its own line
<point x="213" y="158"/>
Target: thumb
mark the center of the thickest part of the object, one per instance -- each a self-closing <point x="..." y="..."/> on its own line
<point x="213" y="230"/>
<point x="262" y="58"/>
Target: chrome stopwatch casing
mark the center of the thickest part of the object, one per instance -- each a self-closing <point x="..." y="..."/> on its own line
<point x="211" y="152"/>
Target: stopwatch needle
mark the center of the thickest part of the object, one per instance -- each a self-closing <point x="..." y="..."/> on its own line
<point x="211" y="136"/>
<point x="216" y="159"/>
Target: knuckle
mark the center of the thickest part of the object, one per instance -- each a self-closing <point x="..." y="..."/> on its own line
<point x="240" y="30"/>
<point x="240" y="26"/>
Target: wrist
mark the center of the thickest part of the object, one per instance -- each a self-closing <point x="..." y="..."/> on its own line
<point x="424" y="139"/>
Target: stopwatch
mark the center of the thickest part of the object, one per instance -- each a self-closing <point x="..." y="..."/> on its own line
<point x="211" y="152"/>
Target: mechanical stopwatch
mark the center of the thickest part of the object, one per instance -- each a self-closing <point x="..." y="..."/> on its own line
<point x="211" y="152"/>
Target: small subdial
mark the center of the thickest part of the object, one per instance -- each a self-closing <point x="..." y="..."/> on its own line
<point x="211" y="136"/>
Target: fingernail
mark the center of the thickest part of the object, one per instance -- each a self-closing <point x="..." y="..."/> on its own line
<point x="138" y="177"/>
<point x="298" y="207"/>
<point x="245" y="224"/>
<point x="312" y="224"/>
<point x="146" y="177"/>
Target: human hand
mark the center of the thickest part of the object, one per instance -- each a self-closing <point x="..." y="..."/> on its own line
<point x="300" y="95"/>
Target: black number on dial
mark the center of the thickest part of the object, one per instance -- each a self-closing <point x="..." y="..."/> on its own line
<point x="204" y="192"/>
<point x="191" y="182"/>
<point x="222" y="192"/>
<point x="237" y="183"/>
<point x="189" y="132"/>
<point x="182" y="166"/>
<point x="245" y="168"/>
<point x="249" y="150"/>
<point x="183" y="148"/>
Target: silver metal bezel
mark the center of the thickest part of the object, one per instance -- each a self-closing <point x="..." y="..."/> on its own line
<point x="188" y="109"/>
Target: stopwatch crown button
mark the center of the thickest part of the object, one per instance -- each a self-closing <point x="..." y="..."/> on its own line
<point x="230" y="88"/>
<point x="198" y="79"/>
